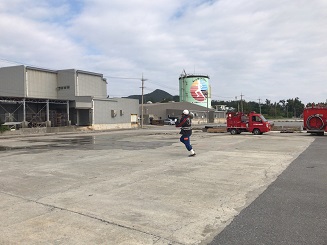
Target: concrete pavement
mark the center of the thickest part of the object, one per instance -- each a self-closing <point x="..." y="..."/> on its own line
<point x="134" y="186"/>
<point x="292" y="210"/>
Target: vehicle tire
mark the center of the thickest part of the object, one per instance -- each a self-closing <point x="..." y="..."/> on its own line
<point x="256" y="131"/>
<point x="233" y="131"/>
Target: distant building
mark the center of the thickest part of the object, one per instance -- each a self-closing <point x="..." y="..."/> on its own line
<point x="202" y="115"/>
<point x="36" y="97"/>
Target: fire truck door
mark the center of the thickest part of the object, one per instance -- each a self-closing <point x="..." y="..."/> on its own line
<point x="256" y="121"/>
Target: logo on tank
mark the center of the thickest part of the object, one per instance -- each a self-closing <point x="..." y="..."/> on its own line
<point x="199" y="89"/>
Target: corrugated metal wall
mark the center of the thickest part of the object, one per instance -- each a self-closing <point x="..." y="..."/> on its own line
<point x="12" y="81"/>
<point x="41" y="84"/>
<point x="91" y="85"/>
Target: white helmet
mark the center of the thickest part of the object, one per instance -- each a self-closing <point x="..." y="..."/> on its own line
<point x="186" y="112"/>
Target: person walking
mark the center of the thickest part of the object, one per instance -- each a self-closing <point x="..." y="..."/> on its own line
<point x="186" y="131"/>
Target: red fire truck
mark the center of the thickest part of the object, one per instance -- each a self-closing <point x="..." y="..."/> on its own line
<point x="315" y="119"/>
<point x="253" y="122"/>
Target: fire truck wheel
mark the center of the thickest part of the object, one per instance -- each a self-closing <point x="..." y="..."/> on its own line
<point x="256" y="131"/>
<point x="233" y="131"/>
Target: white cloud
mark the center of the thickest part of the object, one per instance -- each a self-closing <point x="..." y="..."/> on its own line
<point x="263" y="49"/>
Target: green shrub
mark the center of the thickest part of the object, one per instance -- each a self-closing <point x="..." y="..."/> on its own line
<point x="3" y="128"/>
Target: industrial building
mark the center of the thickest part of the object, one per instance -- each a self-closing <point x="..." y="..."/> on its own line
<point x="202" y="115"/>
<point x="34" y="97"/>
<point x="194" y="95"/>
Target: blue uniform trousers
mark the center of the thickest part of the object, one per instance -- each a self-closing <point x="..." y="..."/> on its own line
<point x="185" y="139"/>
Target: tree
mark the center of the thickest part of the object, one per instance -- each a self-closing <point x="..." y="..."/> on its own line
<point x="295" y="107"/>
<point x="283" y="108"/>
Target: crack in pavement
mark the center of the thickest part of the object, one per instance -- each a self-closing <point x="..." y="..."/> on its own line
<point x="92" y="217"/>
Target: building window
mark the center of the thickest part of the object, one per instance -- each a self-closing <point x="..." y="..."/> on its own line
<point x="113" y="113"/>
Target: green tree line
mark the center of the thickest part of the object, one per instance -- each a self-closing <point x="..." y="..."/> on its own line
<point x="283" y="109"/>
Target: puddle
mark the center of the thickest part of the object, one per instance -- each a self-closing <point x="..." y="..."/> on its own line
<point x="98" y="142"/>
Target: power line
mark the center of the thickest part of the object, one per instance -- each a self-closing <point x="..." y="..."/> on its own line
<point x="164" y="86"/>
<point x="13" y="62"/>
<point x="128" y="78"/>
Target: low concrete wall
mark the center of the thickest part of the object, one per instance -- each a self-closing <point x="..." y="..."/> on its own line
<point x="61" y="129"/>
<point x="113" y="126"/>
<point x="41" y="130"/>
<point x="68" y="129"/>
<point x="204" y="120"/>
<point x="25" y="131"/>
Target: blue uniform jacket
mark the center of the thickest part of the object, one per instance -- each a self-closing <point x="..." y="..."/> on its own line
<point x="185" y="124"/>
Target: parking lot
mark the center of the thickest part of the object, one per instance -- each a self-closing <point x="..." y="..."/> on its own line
<point x="134" y="186"/>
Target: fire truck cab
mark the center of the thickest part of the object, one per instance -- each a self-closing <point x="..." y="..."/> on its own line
<point x="238" y="122"/>
<point x="315" y="119"/>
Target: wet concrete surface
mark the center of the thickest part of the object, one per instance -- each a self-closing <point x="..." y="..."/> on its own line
<point x="134" y="187"/>
<point x="94" y="142"/>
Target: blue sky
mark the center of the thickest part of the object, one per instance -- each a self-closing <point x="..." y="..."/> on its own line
<point x="261" y="48"/>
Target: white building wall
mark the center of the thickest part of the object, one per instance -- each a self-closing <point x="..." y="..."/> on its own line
<point x="91" y="85"/>
<point x="114" y="113"/>
<point x="41" y="84"/>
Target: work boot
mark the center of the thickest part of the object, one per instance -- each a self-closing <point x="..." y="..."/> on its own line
<point x="192" y="153"/>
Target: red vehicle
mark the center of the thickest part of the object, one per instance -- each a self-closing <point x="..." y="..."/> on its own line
<point x="315" y="119"/>
<point x="253" y="122"/>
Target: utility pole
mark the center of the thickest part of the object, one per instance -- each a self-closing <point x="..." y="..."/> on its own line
<point x="242" y="101"/>
<point x="142" y="79"/>
<point x="259" y="105"/>
<point x="207" y="107"/>
<point x="206" y="94"/>
<point x="238" y="104"/>
<point x="142" y="107"/>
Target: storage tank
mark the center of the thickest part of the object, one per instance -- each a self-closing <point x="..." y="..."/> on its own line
<point x="195" y="88"/>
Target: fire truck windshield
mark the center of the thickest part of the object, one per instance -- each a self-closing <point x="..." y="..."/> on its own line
<point x="263" y="118"/>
